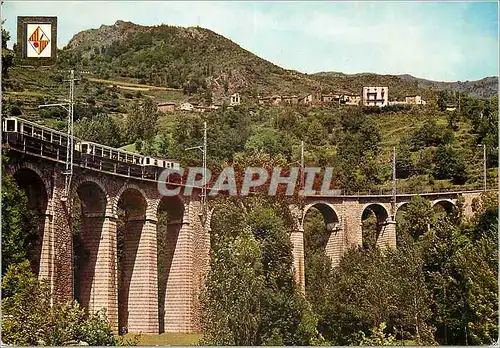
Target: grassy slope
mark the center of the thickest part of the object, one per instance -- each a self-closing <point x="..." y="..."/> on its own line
<point x="32" y="87"/>
<point x="129" y="147"/>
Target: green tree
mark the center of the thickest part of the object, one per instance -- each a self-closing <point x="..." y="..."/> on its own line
<point x="369" y="231"/>
<point x="286" y="316"/>
<point x="232" y="317"/>
<point x="404" y="164"/>
<point x="101" y="128"/>
<point x="441" y="101"/>
<point x="461" y="267"/>
<point x="250" y="296"/>
<point x="377" y="337"/>
<point x="450" y="164"/>
<point x="318" y="266"/>
<point x="430" y="134"/>
<point x="264" y="140"/>
<point x="19" y="224"/>
<point x="141" y="121"/>
<point x="370" y="288"/>
<point x="29" y="319"/>
<point x="359" y="142"/>
<point x="7" y="55"/>
<point x="416" y="220"/>
<point x="316" y="133"/>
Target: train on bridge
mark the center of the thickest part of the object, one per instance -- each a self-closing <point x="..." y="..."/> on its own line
<point x="32" y="138"/>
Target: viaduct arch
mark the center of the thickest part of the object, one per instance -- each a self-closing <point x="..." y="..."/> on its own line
<point x="334" y="233"/>
<point x="31" y="181"/>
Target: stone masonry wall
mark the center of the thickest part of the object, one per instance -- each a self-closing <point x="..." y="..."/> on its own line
<point x="63" y="241"/>
<point x="179" y="285"/>
<point x="201" y="260"/>
<point x="138" y="295"/>
<point x="335" y="245"/>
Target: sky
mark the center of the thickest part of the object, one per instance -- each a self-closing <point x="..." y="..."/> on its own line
<point x="445" y="41"/>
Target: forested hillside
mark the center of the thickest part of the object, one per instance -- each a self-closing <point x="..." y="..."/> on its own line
<point x="195" y="59"/>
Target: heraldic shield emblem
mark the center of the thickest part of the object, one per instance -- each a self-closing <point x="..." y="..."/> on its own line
<point x="38" y="39"/>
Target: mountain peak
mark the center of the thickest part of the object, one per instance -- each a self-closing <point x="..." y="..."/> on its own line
<point x="204" y="62"/>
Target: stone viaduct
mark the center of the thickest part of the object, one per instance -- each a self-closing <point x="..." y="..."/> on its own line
<point x="127" y="285"/>
<point x="343" y="216"/>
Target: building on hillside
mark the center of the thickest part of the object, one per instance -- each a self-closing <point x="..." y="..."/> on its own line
<point x="375" y="96"/>
<point x="335" y="97"/>
<point x="290" y="99"/>
<point x="396" y="102"/>
<point x="414" y="100"/>
<point x="351" y="99"/>
<point x="409" y="100"/>
<point x="186" y="106"/>
<point x="308" y="99"/>
<point x="316" y="98"/>
<point x="276" y="99"/>
<point x="263" y="100"/>
<point x="168" y="106"/>
<point x="235" y="99"/>
<point x="271" y="100"/>
<point x="202" y="108"/>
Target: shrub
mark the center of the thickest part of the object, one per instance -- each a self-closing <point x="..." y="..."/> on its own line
<point x="29" y="319"/>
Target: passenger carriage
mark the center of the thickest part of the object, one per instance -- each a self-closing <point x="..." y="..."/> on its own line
<point x="107" y="158"/>
<point x="153" y="166"/>
<point x="33" y="138"/>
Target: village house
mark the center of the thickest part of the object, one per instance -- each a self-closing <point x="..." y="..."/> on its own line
<point x="351" y="99"/>
<point x="272" y="100"/>
<point x="276" y="99"/>
<point x="342" y="98"/>
<point x="167" y="106"/>
<point x="235" y="99"/>
<point x="414" y="100"/>
<point x="409" y="100"/>
<point x="308" y="99"/>
<point x="290" y="99"/>
<point x="186" y="106"/>
<point x="263" y="100"/>
<point x="375" y="96"/>
<point x="331" y="97"/>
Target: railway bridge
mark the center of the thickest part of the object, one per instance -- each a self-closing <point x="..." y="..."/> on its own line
<point x="128" y="284"/>
<point x="343" y="216"/>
